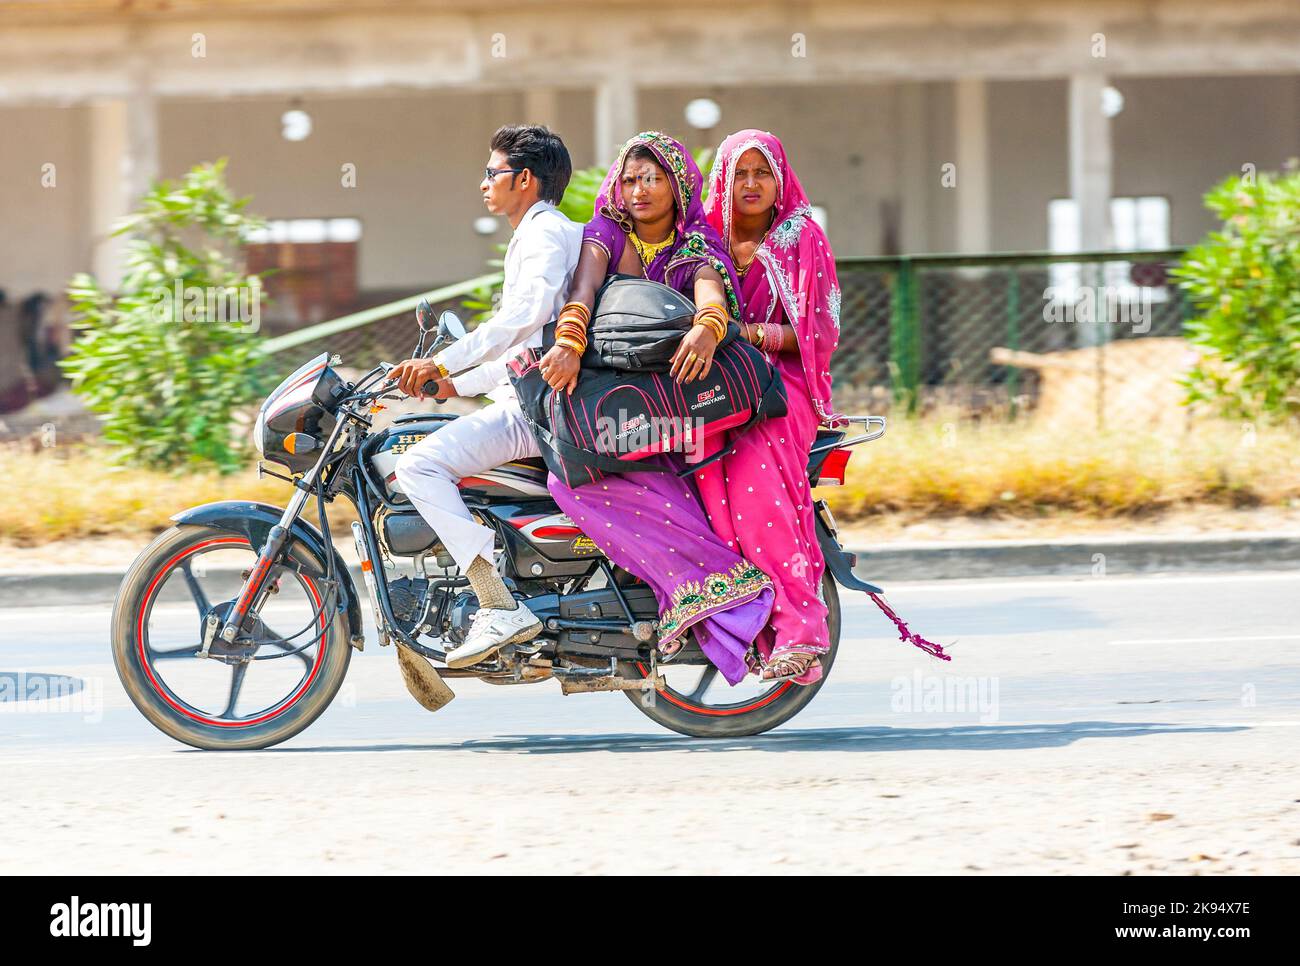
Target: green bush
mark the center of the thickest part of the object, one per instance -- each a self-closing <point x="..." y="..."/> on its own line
<point x="1244" y="281"/>
<point x="167" y="373"/>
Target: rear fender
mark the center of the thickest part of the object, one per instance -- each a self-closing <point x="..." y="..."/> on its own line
<point x="839" y="562"/>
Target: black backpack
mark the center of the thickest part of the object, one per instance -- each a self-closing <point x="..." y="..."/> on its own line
<point x="637" y="325"/>
<point x="645" y="407"/>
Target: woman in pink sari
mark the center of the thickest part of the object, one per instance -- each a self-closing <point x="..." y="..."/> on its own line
<point x="649" y="221"/>
<point x="758" y="498"/>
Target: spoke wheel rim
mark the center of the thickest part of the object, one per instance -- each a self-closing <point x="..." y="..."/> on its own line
<point x="147" y="656"/>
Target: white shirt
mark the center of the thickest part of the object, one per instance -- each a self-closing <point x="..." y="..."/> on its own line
<point x="539" y="265"/>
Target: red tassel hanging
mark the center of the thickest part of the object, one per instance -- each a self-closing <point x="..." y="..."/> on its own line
<point x="907" y="634"/>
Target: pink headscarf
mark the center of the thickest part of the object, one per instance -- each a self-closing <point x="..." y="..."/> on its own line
<point x="798" y="267"/>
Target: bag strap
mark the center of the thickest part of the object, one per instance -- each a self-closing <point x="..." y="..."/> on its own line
<point x="586" y="457"/>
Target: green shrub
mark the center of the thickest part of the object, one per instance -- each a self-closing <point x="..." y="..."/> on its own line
<point x="167" y="373"/>
<point x="1244" y="281"/>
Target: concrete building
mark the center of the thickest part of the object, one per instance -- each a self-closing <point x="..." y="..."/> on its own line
<point x="937" y="125"/>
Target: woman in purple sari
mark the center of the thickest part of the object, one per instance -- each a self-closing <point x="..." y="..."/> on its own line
<point x="649" y="222"/>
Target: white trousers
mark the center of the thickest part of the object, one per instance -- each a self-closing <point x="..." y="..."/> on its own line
<point x="429" y="471"/>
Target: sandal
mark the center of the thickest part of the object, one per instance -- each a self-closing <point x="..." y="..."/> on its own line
<point x="801" y="667"/>
<point x="670" y="650"/>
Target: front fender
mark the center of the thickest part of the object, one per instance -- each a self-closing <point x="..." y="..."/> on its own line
<point x="306" y="546"/>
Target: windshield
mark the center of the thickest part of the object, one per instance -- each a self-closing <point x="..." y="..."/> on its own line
<point x="306" y="374"/>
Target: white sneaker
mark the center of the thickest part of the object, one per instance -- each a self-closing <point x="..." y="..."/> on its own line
<point x="491" y="629"/>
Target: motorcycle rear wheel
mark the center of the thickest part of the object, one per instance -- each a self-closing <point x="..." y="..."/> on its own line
<point x="688" y="711"/>
<point x="149" y="675"/>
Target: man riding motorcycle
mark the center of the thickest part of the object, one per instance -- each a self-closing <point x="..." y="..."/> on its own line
<point x="539" y="266"/>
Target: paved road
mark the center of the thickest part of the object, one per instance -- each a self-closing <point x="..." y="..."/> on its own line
<point x="1104" y="725"/>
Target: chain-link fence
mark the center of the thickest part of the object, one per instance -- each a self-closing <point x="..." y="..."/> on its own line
<point x="1080" y="340"/>
<point x="381" y="333"/>
<point x="1084" y="340"/>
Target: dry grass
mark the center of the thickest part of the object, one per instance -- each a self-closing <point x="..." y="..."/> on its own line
<point x="950" y="466"/>
<point x="66" y="493"/>
<point x="934" y="466"/>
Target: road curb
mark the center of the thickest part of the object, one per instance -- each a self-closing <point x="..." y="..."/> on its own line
<point x="1079" y="557"/>
<point x="1113" y="556"/>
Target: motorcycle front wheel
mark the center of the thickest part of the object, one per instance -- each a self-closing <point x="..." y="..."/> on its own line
<point x="697" y="701"/>
<point x="255" y="692"/>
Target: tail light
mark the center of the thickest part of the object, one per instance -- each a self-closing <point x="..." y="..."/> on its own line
<point x="832" y="469"/>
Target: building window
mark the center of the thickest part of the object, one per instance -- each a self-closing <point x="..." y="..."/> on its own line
<point x="1137" y="224"/>
<point x="310" y="267"/>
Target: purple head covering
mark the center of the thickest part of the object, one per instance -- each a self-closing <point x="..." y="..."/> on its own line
<point x="697" y="241"/>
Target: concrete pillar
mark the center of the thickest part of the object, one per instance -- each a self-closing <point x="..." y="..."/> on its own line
<point x="123" y="162"/>
<point x="916" y="175"/>
<point x="971" y="109"/>
<point x="1090" y="161"/>
<point x="542" y="106"/>
<point x="1090" y="178"/>
<point x="615" y="116"/>
<point x="141" y="165"/>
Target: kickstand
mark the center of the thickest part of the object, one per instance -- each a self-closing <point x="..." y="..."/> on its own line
<point x="649" y="695"/>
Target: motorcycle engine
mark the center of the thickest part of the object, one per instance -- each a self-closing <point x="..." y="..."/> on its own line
<point x="463" y="608"/>
<point x="407" y="597"/>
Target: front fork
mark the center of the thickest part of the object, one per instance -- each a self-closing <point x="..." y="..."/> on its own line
<point x="254" y="590"/>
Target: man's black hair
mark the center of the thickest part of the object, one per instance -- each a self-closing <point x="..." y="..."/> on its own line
<point x="539" y="150"/>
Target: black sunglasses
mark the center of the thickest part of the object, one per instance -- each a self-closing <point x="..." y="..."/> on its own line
<point x="491" y="173"/>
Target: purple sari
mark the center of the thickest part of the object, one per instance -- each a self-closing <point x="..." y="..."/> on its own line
<point x="653" y="524"/>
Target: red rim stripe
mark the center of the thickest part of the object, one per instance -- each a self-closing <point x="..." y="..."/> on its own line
<point x="158" y="686"/>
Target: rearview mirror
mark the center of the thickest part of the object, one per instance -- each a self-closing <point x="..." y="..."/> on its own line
<point x="424" y="315"/>
<point x="450" y="327"/>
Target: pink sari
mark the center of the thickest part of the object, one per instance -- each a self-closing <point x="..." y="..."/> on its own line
<point x="758" y="498"/>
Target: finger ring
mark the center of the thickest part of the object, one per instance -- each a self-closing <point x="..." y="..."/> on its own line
<point x="691" y="357"/>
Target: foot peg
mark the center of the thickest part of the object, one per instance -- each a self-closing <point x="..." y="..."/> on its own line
<point x="583" y="680"/>
<point x="422" y="680"/>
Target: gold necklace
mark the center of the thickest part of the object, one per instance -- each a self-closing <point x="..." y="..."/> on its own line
<point x="742" y="270"/>
<point x="648" y="250"/>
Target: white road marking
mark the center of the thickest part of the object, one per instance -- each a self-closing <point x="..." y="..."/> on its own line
<point x="1083" y="580"/>
<point x="1209" y="640"/>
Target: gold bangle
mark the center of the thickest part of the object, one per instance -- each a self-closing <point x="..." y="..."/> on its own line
<point x="711" y="317"/>
<point x="713" y="314"/>
<point x="714" y="324"/>
<point x="575" y="312"/>
<point x="442" y="370"/>
<point x="579" y="349"/>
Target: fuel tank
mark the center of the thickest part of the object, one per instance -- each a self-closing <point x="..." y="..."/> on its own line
<point x="519" y="479"/>
<point x="538" y="538"/>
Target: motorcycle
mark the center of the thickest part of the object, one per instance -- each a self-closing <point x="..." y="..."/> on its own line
<point x="250" y="570"/>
